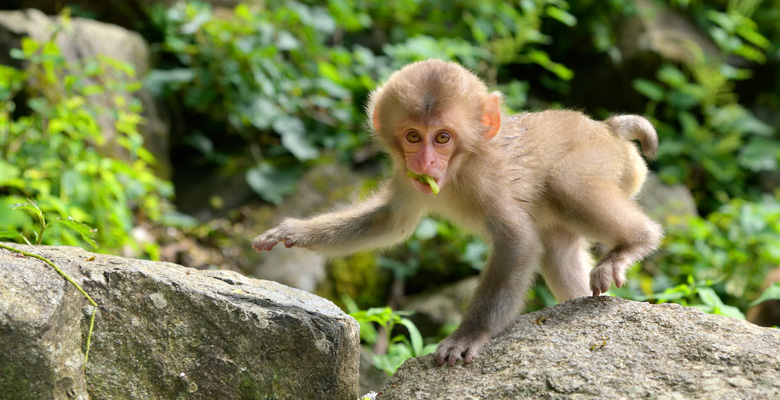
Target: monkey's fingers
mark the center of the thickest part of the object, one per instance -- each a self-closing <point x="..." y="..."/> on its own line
<point x="258" y="245"/>
<point x="264" y="242"/>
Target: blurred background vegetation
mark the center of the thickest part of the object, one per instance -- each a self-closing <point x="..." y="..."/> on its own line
<point x="259" y="95"/>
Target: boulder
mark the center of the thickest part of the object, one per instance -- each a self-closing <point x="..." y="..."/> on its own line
<point x="663" y="30"/>
<point x="608" y="348"/>
<point x="165" y="331"/>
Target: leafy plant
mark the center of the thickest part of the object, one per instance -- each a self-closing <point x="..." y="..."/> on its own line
<point x="698" y="294"/>
<point x="771" y="293"/>
<point x="701" y="128"/>
<point x="400" y="348"/>
<point x="54" y="151"/>
<point x="83" y="230"/>
<point x="717" y="263"/>
<point x="266" y="72"/>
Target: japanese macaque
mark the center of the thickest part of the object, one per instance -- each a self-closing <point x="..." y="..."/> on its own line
<point x="537" y="186"/>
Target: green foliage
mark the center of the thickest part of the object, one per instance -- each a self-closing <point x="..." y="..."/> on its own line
<point x="771" y="293"/>
<point x="700" y="295"/>
<point x="267" y="73"/>
<point x="356" y="276"/>
<point x="702" y="127"/>
<point x="77" y="227"/>
<point x="702" y="130"/>
<point x="400" y="348"/>
<point x="736" y="244"/>
<point x="54" y="151"/>
<point x="82" y="229"/>
<point x="436" y="247"/>
<point x="717" y="263"/>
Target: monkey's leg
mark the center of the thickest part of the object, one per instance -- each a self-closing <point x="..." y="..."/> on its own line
<point x="498" y="297"/>
<point x="566" y="263"/>
<point x="607" y="215"/>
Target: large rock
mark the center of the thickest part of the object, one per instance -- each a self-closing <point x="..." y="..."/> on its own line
<point x="127" y="13"/>
<point x="660" y="29"/>
<point x="608" y="348"/>
<point x="165" y="331"/>
<point x="88" y="39"/>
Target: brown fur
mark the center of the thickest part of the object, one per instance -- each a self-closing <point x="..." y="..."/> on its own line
<point x="546" y="185"/>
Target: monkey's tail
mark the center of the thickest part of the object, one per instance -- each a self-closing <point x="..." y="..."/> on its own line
<point x="635" y="127"/>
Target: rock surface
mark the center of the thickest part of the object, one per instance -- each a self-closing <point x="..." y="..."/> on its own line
<point x="165" y="331"/>
<point x="608" y="348"/>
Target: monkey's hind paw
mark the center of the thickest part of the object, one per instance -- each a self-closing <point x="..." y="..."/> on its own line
<point x="452" y="349"/>
<point x="603" y="275"/>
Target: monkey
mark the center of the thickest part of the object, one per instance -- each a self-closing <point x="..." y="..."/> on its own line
<point x="539" y="186"/>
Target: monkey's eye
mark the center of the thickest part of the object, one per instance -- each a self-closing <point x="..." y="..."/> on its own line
<point x="442" y="137"/>
<point x="413" y="136"/>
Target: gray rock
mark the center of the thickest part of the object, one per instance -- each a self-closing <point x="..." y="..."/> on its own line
<point x="663" y="30"/>
<point x="165" y="331"/>
<point x="371" y="377"/>
<point x="608" y="348"/>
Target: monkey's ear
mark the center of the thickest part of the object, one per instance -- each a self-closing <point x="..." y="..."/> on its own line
<point x="375" y="119"/>
<point x="492" y="116"/>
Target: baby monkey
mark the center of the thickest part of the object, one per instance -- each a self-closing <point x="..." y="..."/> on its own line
<point x="537" y="186"/>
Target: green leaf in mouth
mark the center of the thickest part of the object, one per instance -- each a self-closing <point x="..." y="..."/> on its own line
<point x="425" y="179"/>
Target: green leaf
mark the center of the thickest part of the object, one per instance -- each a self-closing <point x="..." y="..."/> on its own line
<point x="329" y="71"/>
<point x="771" y="293"/>
<point x="8" y="172"/>
<point x="285" y="41"/>
<point x="672" y="76"/>
<point x="157" y="80"/>
<point x="562" y="16"/>
<point x="649" y="89"/>
<point x="428" y="228"/>
<point x="82" y="229"/>
<point x="13" y="235"/>
<point x="272" y="183"/>
<point x="709" y="297"/>
<point x="414" y="334"/>
<point x="32" y="207"/>
<point x="730" y="311"/>
<point x="294" y="138"/>
<point x="760" y="154"/>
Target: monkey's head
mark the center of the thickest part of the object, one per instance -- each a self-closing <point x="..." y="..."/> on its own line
<point x="429" y="113"/>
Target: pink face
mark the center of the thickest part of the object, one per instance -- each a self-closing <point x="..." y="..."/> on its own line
<point x="427" y="149"/>
<point x="428" y="145"/>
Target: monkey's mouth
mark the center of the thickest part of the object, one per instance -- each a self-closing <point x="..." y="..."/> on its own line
<point x="424" y="182"/>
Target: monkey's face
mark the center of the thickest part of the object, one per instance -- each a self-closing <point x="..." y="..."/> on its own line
<point x="427" y="149"/>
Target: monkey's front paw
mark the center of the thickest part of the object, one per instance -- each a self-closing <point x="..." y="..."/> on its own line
<point x="604" y="274"/>
<point x="460" y="346"/>
<point x="291" y="232"/>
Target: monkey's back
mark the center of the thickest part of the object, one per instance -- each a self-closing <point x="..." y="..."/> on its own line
<point x="575" y="150"/>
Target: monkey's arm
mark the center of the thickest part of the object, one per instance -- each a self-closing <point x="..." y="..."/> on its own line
<point x="382" y="220"/>
<point x="507" y="276"/>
